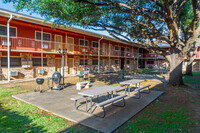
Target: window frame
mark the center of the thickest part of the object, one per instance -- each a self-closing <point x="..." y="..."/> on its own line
<point x="129" y="50"/>
<point x="117" y="62"/>
<point x="115" y="48"/>
<point x="85" y="41"/>
<point x="40" y="62"/>
<point x="150" y="63"/>
<point x="93" y="63"/>
<point x="83" y="62"/>
<point x="6" y="30"/>
<point x="11" y="58"/>
<point x="128" y="61"/>
<point x="43" y="37"/>
<point x="95" y="42"/>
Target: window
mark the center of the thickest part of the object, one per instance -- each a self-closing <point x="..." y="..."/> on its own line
<point x="46" y="36"/>
<point x="116" y="48"/>
<point x="95" y="44"/>
<point x="150" y="62"/>
<point x="82" y="62"/>
<point x="81" y="42"/>
<point x="128" y="62"/>
<point x="94" y="62"/>
<point x="14" y="61"/>
<point x="3" y="31"/>
<point x="37" y="61"/>
<point x="127" y="49"/>
<point x="116" y="62"/>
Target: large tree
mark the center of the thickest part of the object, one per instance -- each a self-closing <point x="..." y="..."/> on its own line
<point x="141" y="23"/>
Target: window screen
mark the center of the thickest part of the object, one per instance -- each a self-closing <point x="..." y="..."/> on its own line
<point x="150" y="62"/>
<point x="116" y="48"/>
<point x="37" y="62"/>
<point x="128" y="62"/>
<point x="127" y="49"/>
<point x="94" y="62"/>
<point x="14" y="61"/>
<point x="81" y="42"/>
<point x="95" y="44"/>
<point x="116" y="62"/>
<point x="3" y="31"/>
<point x="82" y="62"/>
<point x="46" y="36"/>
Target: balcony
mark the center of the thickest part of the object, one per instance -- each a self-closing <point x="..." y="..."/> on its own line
<point x="150" y="56"/>
<point x="27" y="44"/>
<point x="32" y="45"/>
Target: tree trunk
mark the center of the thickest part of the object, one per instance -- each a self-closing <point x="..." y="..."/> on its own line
<point x="189" y="69"/>
<point x="175" y="75"/>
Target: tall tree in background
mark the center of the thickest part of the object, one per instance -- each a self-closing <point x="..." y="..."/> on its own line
<point x="141" y="23"/>
<point x="190" y="59"/>
<point x="186" y="19"/>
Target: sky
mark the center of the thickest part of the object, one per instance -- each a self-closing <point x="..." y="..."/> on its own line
<point x="10" y="7"/>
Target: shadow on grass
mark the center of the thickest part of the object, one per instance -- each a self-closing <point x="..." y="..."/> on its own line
<point x="114" y="78"/>
<point x="13" y="122"/>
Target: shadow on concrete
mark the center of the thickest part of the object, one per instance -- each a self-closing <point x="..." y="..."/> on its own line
<point x="58" y="102"/>
<point x="11" y="121"/>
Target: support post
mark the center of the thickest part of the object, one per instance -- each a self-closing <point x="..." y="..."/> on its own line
<point x="8" y="43"/>
<point x="99" y="54"/>
<point x="63" y="65"/>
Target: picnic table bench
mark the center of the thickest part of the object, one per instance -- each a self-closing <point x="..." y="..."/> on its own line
<point x="137" y="83"/>
<point x="95" y="93"/>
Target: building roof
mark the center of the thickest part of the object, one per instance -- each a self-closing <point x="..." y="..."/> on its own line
<point x="19" y="16"/>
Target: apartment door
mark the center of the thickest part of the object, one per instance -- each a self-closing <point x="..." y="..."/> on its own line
<point x="58" y="42"/>
<point x="104" y="49"/>
<point x="70" y="45"/>
<point x="58" y="65"/>
<point x="122" y="63"/>
<point x="70" y="64"/>
<point x="122" y="51"/>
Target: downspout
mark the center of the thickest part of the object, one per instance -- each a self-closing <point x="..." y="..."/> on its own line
<point x="8" y="44"/>
<point x="99" y="54"/>
<point x="138" y="58"/>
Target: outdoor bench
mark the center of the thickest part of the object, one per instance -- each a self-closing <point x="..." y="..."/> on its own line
<point x="86" y="84"/>
<point x="104" y="103"/>
<point x="141" y="90"/>
<point x="75" y="99"/>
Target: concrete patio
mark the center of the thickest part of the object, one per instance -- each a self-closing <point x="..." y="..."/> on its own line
<point x="59" y="103"/>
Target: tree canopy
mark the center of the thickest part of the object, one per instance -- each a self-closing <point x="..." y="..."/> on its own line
<point x="143" y="23"/>
<point x="139" y="22"/>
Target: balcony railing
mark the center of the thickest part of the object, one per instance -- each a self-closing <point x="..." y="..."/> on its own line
<point x="28" y="44"/>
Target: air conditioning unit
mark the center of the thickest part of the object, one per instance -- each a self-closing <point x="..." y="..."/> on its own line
<point x="4" y="42"/>
<point x="45" y="46"/>
<point x="13" y="73"/>
<point x="40" y="71"/>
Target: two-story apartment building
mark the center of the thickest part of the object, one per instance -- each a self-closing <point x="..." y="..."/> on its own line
<point x="34" y="46"/>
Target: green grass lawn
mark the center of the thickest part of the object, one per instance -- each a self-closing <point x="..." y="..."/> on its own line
<point x="161" y="118"/>
<point x="17" y="116"/>
<point x="192" y="79"/>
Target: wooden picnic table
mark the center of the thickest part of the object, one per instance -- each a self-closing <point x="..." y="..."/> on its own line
<point x="128" y="83"/>
<point x="96" y="92"/>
